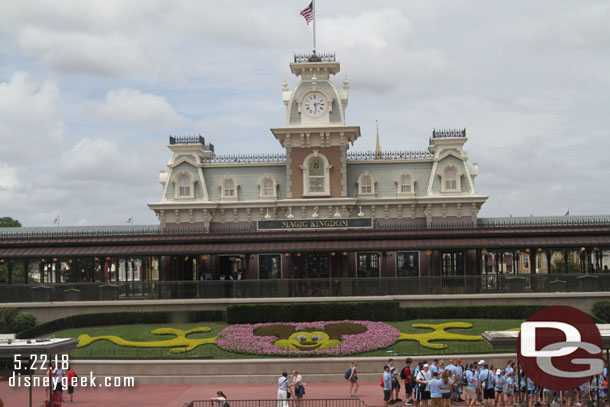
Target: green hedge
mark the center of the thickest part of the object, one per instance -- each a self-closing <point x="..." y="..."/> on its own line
<point x="12" y="321"/>
<point x="314" y="311"/>
<point x="601" y="310"/>
<point x="471" y="312"/>
<point x="371" y="311"/>
<point x="122" y="318"/>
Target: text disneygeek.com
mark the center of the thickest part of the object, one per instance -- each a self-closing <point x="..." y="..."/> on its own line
<point x="17" y="380"/>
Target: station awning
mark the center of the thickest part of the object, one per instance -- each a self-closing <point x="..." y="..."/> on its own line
<point x="287" y="245"/>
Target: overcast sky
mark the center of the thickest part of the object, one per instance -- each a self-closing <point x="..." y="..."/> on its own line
<point x="90" y="91"/>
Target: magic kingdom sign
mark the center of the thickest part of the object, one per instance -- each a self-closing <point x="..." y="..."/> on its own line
<point x="340" y="223"/>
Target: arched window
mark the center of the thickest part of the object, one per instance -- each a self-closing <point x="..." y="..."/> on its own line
<point x="184" y="185"/>
<point x="228" y="189"/>
<point x="366" y="184"/>
<point x="405" y="186"/>
<point x="268" y="188"/>
<point x="316" y="175"/>
<point x="450" y="180"/>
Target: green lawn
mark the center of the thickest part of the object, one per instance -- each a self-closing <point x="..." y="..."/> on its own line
<point x="104" y="349"/>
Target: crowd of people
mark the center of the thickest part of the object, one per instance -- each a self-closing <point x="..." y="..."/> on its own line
<point x="437" y="384"/>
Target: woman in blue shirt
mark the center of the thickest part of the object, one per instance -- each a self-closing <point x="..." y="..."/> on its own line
<point x="499" y="388"/>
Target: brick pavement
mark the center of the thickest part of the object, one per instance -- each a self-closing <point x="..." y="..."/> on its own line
<point x="175" y="395"/>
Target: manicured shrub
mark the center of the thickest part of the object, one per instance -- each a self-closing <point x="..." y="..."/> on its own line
<point x="314" y="311"/>
<point x="12" y="322"/>
<point x="601" y="310"/>
<point x="471" y="312"/>
<point x="122" y="318"/>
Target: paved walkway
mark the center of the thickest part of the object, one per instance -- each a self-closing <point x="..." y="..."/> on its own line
<point x="175" y="395"/>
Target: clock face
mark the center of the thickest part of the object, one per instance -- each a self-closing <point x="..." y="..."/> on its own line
<point x="315" y="104"/>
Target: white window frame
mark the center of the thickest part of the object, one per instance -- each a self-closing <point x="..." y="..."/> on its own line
<point x="360" y="184"/>
<point x="458" y="178"/>
<point x="262" y="188"/>
<point x="191" y="181"/>
<point x="399" y="191"/>
<point x="223" y="195"/>
<point x="305" y="170"/>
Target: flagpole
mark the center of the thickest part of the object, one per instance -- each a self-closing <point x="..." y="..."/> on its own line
<point x="314" y="25"/>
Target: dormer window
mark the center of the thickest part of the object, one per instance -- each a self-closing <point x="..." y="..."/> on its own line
<point x="316" y="175"/>
<point x="406" y="185"/>
<point x="450" y="179"/>
<point x="268" y="188"/>
<point x="228" y="189"/>
<point x="366" y="184"/>
<point x="185" y="185"/>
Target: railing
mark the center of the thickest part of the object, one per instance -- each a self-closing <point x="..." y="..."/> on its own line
<point x="448" y="133"/>
<point x="321" y="287"/>
<point x="246" y="158"/>
<point x="420" y="224"/>
<point x="388" y="155"/>
<point x="277" y="403"/>
<point x="191" y="140"/>
<point x="315" y="57"/>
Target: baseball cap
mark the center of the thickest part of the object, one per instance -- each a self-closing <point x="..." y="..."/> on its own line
<point x="426" y="365"/>
<point x="458" y="360"/>
<point x="481" y="362"/>
<point x="498" y="371"/>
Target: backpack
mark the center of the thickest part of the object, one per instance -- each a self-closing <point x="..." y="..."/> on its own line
<point x="381" y="382"/>
<point x="348" y="373"/>
<point x="403" y="373"/>
<point x="465" y="379"/>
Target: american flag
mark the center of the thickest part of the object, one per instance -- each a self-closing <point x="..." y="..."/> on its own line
<point x="308" y="13"/>
<point x="55" y="220"/>
<point x="129" y="220"/>
<point x="567" y="213"/>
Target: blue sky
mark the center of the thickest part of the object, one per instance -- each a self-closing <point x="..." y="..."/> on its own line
<point x="90" y="91"/>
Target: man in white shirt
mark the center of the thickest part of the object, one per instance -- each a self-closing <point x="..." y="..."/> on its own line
<point x="283" y="384"/>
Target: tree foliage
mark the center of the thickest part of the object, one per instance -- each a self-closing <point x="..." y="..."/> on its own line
<point x="8" y="222"/>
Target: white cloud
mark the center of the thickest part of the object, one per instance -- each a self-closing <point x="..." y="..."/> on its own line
<point x="133" y="106"/>
<point x="377" y="47"/>
<point x="8" y="177"/>
<point x="83" y="52"/>
<point x="31" y="129"/>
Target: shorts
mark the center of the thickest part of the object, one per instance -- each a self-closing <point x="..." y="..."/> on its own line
<point x="70" y="389"/>
<point x="568" y="393"/>
<point x="386" y="395"/>
<point x="437" y="402"/>
<point x="446" y="395"/>
<point x="471" y="392"/>
<point x="418" y="391"/>
<point x="426" y="395"/>
<point x="354" y="379"/>
<point x="489" y="394"/>
<point x="408" y="388"/>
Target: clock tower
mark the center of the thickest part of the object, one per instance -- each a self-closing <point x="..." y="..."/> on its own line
<point x="316" y="137"/>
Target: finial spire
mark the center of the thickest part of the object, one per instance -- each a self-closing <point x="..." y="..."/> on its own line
<point x="377" y="147"/>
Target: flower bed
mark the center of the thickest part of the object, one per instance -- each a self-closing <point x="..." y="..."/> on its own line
<point x="324" y="338"/>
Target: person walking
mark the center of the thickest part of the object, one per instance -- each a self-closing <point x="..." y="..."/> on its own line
<point x="353" y="380"/>
<point x="283" y="384"/>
